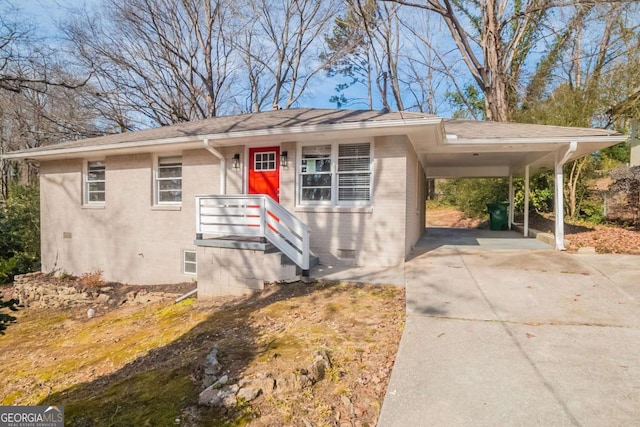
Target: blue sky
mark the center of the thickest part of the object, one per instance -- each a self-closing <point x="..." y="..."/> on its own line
<point x="45" y="14"/>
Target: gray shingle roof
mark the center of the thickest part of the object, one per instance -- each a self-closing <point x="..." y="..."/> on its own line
<point x="241" y="123"/>
<point x="310" y="117"/>
<point x="473" y="129"/>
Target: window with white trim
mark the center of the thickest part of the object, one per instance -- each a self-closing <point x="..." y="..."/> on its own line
<point x="95" y="182"/>
<point x="189" y="262"/>
<point x="168" y="185"/>
<point x="337" y="174"/>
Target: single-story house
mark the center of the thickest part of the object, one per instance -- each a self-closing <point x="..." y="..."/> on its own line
<point x="221" y="200"/>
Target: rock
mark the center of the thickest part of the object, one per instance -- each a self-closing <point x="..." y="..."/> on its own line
<point x="266" y="385"/>
<point x="293" y="382"/>
<point x="248" y="393"/>
<point x="228" y="396"/>
<point x="103" y="298"/>
<point x="221" y="381"/>
<point x="208" y="396"/>
<point x="214" y="397"/>
<point x="212" y="357"/>
<point x="317" y="370"/>
<point x="106" y="289"/>
<point x="322" y="355"/>
<point x="208" y="380"/>
<point x="212" y="368"/>
<point x="66" y="290"/>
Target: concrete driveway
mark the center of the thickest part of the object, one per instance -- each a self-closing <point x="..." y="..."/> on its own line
<point x="502" y="331"/>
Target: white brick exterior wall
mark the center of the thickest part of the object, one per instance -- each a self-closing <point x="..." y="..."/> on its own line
<point x="132" y="241"/>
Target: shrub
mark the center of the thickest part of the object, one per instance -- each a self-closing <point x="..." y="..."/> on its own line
<point x="471" y="196"/>
<point x="20" y="231"/>
<point x="92" y="279"/>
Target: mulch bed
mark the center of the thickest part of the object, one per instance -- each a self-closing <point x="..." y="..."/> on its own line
<point x="604" y="238"/>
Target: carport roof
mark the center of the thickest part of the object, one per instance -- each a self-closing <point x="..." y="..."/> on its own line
<point x="445" y="147"/>
<point x="479" y="130"/>
<point x="472" y="148"/>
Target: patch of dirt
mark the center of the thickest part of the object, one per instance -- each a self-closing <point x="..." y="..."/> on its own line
<point x="143" y="365"/>
<point x="446" y="217"/>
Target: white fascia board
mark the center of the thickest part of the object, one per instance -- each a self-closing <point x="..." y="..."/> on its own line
<point x="467" y="171"/>
<point x="613" y="139"/>
<point x="231" y="136"/>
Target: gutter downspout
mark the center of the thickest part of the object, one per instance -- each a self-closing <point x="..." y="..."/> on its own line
<point x="223" y="166"/>
<point x="559" y="194"/>
<point x="185" y="296"/>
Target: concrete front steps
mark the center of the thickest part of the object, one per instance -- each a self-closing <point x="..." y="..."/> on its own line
<point x="233" y="266"/>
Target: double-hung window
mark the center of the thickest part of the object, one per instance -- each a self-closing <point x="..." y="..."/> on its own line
<point x="316" y="174"/>
<point x="168" y="185"/>
<point x="94" y="184"/>
<point x="337" y="174"/>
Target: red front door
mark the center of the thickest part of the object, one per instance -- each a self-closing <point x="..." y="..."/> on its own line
<point x="264" y="171"/>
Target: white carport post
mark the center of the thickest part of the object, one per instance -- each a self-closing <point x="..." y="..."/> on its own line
<point x="510" y="200"/>
<point x="526" y="201"/>
<point x="559" y="194"/>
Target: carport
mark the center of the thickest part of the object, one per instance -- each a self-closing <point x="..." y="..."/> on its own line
<point x="475" y="149"/>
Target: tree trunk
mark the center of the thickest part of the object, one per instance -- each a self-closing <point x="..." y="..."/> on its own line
<point x="493" y="76"/>
<point x="572" y="184"/>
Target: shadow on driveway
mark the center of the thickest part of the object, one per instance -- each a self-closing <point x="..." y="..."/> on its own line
<point x="503" y="330"/>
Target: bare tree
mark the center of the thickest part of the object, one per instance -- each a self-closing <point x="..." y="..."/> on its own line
<point x="280" y="47"/>
<point x="494" y="38"/>
<point x="169" y="60"/>
<point x="26" y="62"/>
<point x="366" y="44"/>
<point x="429" y="69"/>
<point x="38" y="102"/>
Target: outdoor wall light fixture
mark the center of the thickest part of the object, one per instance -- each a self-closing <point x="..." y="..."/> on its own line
<point x="284" y="159"/>
<point x="236" y="161"/>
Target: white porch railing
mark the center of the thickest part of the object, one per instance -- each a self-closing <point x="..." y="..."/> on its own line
<point x="254" y="216"/>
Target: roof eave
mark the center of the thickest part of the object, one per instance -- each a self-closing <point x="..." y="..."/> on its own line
<point x="230" y="137"/>
<point x="537" y="140"/>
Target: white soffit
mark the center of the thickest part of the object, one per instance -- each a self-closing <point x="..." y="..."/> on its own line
<point x="454" y="156"/>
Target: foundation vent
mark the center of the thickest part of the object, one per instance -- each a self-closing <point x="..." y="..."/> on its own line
<point x="347" y="253"/>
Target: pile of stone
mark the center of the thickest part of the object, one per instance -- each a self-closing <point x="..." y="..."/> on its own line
<point x="42" y="291"/>
<point x="219" y="392"/>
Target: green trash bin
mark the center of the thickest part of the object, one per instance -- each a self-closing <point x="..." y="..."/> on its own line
<point x="498" y="216"/>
